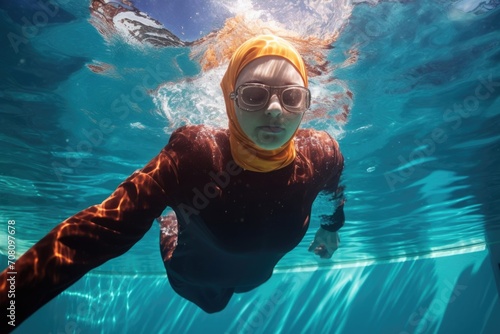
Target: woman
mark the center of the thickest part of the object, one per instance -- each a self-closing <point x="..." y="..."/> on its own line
<point x="242" y="197"/>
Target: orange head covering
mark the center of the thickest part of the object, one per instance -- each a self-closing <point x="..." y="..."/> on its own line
<point x="244" y="151"/>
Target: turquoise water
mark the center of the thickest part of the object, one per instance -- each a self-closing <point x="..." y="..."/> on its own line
<point x="421" y="142"/>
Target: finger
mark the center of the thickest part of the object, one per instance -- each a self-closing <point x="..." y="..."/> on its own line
<point x="313" y="246"/>
<point x="325" y="254"/>
<point x="320" y="250"/>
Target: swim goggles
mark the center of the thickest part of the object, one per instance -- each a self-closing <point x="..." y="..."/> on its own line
<point x="255" y="97"/>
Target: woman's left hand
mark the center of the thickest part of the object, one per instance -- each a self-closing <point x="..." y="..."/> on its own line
<point x="325" y="243"/>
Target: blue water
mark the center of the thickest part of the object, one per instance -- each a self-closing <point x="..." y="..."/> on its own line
<point x="421" y="142"/>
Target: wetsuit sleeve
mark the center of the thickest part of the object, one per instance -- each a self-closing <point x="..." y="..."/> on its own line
<point x="87" y="240"/>
<point x="334" y="222"/>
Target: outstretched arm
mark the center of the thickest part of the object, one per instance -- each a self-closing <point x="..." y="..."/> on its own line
<point x="83" y="242"/>
<point x="326" y="240"/>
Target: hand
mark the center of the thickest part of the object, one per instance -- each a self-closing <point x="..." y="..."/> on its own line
<point x="325" y="243"/>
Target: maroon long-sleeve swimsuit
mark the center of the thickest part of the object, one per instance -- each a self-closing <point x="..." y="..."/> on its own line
<point x="234" y="224"/>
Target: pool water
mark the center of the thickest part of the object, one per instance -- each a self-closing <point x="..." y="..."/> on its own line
<point x="83" y="106"/>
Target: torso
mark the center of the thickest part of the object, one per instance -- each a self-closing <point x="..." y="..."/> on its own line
<point x="237" y="219"/>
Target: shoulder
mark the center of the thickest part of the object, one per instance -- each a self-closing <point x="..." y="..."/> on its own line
<point x="197" y="145"/>
<point x="321" y="150"/>
<point x="313" y="142"/>
<point x="196" y="132"/>
<point x="196" y="137"/>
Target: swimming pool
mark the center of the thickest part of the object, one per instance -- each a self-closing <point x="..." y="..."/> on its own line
<point x="84" y="105"/>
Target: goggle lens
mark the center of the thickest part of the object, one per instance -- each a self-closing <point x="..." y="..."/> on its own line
<point x="255" y="97"/>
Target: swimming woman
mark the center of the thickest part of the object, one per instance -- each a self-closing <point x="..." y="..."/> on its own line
<point x="241" y="197"/>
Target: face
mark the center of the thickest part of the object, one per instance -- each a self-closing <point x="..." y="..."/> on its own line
<point x="273" y="126"/>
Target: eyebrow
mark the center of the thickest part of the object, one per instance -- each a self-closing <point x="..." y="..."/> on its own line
<point x="254" y="81"/>
<point x="263" y="83"/>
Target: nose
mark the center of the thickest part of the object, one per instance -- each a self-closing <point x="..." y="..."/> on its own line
<point x="274" y="108"/>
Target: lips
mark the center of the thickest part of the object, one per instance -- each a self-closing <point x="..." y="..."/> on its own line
<point x="271" y="129"/>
